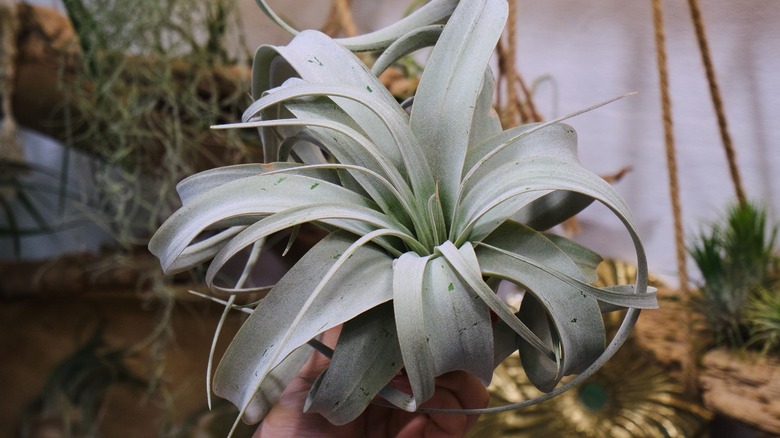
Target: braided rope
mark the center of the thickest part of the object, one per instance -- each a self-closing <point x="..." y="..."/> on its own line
<point x="717" y="102"/>
<point x="689" y="362"/>
<point x="515" y="111"/>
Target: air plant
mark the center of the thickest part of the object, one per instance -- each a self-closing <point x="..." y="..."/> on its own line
<point x="763" y="316"/>
<point x="736" y="259"/>
<point x="427" y="211"/>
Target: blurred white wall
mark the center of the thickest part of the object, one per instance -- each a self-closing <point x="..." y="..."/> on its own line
<point x="598" y="49"/>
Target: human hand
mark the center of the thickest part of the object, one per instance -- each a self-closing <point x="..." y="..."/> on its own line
<point x="455" y="390"/>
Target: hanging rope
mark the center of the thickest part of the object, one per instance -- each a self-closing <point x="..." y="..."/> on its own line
<point x="344" y="12"/>
<point x="340" y="19"/>
<point x="518" y="109"/>
<point x="717" y="102"/>
<point x="514" y="108"/>
<point x="534" y="116"/>
<point x="689" y="362"/>
<point x="10" y="149"/>
<point x="527" y="107"/>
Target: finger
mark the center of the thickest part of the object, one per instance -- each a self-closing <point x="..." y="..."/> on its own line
<point x="457" y="390"/>
<point x="317" y="362"/>
<point x="286" y="417"/>
<point x="468" y="389"/>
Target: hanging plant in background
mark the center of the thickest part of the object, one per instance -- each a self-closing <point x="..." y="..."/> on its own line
<point x="427" y="212"/>
<point x="763" y="316"/>
<point x="141" y="99"/>
<point x="739" y="266"/>
<point x="739" y="300"/>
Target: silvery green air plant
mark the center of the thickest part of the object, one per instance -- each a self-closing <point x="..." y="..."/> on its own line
<point x="426" y="212"/>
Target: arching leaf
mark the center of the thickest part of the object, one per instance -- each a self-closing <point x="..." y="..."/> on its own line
<point x="366" y="358"/>
<point x="408" y="304"/>
<point x="243" y="201"/>
<point x="560" y="314"/>
<point x="450" y="87"/>
<point x="325" y="289"/>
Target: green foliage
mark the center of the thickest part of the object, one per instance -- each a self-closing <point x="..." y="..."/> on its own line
<point x="155" y="76"/>
<point x="426" y="211"/>
<point x="737" y="260"/>
<point x="763" y="317"/>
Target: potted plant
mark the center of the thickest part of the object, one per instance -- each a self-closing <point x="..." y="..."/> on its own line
<point x="426" y="210"/>
<point x="740" y="303"/>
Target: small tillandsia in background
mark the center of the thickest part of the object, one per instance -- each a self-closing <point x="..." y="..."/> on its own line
<point x="427" y="211"/>
<point x="739" y="265"/>
<point x="763" y="316"/>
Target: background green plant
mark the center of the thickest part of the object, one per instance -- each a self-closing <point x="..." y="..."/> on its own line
<point x="739" y="266"/>
<point x="151" y="78"/>
<point x="763" y="316"/>
<point x="144" y="100"/>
